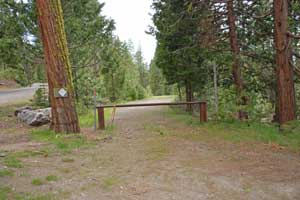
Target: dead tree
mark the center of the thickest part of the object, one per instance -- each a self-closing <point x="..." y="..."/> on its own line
<point x="58" y="68"/>
<point x="284" y="71"/>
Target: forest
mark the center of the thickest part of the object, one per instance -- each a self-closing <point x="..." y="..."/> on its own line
<point x="99" y="59"/>
<point x="251" y="46"/>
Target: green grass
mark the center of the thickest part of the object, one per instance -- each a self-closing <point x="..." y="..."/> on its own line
<point x="51" y="178"/>
<point x="237" y="131"/>
<point x="156" y="148"/>
<point x="108" y="183"/>
<point x="67" y="160"/>
<point x="63" y="142"/>
<point x="29" y="196"/>
<point x="26" y="154"/>
<point x="12" y="161"/>
<point x="25" y="174"/>
<point x="37" y="182"/>
<point x="6" y="172"/>
<point x="7" y="193"/>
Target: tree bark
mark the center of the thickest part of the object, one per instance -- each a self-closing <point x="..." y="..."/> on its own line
<point x="189" y="94"/>
<point x="179" y="92"/>
<point x="59" y="71"/>
<point x="216" y="99"/>
<point x="284" y="72"/>
<point x="236" y="70"/>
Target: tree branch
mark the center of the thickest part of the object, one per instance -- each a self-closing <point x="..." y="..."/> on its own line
<point x="263" y="15"/>
<point x="291" y="35"/>
<point x="296" y="69"/>
<point x="296" y="54"/>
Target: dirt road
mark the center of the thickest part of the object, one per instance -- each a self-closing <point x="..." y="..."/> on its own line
<point x="151" y="156"/>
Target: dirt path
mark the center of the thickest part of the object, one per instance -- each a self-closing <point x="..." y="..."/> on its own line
<point x="151" y="156"/>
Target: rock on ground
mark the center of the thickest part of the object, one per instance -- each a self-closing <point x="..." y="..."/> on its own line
<point x="19" y="110"/>
<point x="34" y="117"/>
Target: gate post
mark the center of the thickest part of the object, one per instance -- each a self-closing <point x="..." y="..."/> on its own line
<point x="203" y="112"/>
<point x="101" y="120"/>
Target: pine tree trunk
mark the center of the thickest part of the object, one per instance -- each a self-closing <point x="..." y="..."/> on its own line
<point x="59" y="72"/>
<point x="179" y="92"/>
<point x="236" y="70"/>
<point x="216" y="99"/>
<point x="284" y="72"/>
<point x="189" y="95"/>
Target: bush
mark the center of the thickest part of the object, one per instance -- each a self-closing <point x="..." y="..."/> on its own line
<point x="8" y="74"/>
<point x="14" y="74"/>
<point x="141" y="92"/>
<point x="41" y="98"/>
<point x="292" y="127"/>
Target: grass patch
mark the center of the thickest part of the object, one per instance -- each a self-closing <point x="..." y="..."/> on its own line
<point x="108" y="183"/>
<point x="37" y="182"/>
<point x="236" y="131"/>
<point x="158" y="130"/>
<point x="29" y="196"/>
<point x="67" y="160"/>
<point x="6" y="110"/>
<point x="13" y="162"/>
<point x="5" y="192"/>
<point x="109" y="130"/>
<point x="27" y="154"/>
<point x="63" y="142"/>
<point x="5" y="172"/>
<point x="25" y="174"/>
<point x="65" y="170"/>
<point x="156" y="148"/>
<point x="51" y="178"/>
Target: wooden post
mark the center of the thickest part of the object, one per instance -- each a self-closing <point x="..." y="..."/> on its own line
<point x="203" y="112"/>
<point x="101" y="120"/>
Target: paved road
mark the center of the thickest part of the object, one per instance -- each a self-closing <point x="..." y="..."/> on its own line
<point x="16" y="95"/>
<point x="19" y="95"/>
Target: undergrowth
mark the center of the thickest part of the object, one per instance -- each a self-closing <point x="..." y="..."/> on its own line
<point x="63" y="142"/>
<point x="237" y="131"/>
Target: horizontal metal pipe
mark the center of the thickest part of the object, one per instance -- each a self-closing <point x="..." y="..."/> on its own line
<point x="150" y="104"/>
